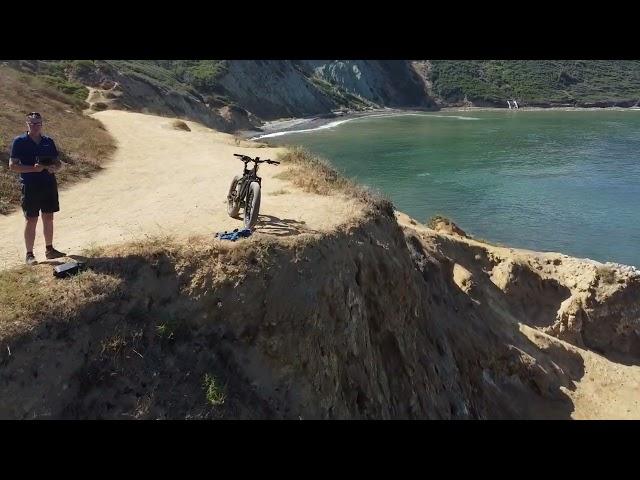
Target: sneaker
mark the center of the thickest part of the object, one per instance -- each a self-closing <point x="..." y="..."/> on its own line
<point x="53" y="253"/>
<point x="30" y="259"/>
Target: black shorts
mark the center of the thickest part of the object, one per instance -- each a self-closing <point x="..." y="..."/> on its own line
<point x="36" y="198"/>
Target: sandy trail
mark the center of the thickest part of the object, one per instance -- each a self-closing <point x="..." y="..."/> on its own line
<point x="167" y="181"/>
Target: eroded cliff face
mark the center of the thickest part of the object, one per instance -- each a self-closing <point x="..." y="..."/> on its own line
<point x="262" y="90"/>
<point x="385" y="83"/>
<point x="586" y="303"/>
<point x="378" y="320"/>
<point x="274" y="89"/>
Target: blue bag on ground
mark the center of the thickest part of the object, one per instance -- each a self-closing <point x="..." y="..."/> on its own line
<point x="233" y="236"/>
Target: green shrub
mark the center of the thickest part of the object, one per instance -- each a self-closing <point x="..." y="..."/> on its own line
<point x="99" y="106"/>
<point x="213" y="391"/>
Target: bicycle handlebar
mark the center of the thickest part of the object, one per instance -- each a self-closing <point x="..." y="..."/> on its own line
<point x="246" y="158"/>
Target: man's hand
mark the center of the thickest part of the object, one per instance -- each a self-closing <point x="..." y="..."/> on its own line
<point x="55" y="167"/>
<point x="16" y="166"/>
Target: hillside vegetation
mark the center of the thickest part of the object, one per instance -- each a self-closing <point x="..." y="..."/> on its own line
<point x="537" y="82"/>
<point x="83" y="143"/>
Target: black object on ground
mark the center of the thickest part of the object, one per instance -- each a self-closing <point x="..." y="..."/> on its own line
<point x="68" y="269"/>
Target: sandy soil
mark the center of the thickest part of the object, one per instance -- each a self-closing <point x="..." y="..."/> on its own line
<point x="167" y="181"/>
<point x="607" y="390"/>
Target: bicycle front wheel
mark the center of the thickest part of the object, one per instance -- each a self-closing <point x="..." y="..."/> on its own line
<point x="252" y="208"/>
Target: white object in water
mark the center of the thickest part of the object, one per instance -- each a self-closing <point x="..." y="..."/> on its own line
<point x="515" y="103"/>
<point x="509" y="103"/>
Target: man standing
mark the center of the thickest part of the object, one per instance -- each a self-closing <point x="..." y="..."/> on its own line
<point x="35" y="157"/>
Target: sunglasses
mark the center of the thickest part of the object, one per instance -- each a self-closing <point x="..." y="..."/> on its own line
<point x="33" y="117"/>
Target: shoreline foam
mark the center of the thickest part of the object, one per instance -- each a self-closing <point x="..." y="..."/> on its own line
<point x="281" y="127"/>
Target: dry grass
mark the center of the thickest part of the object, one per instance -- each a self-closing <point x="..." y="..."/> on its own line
<point x="24" y="292"/>
<point x="436" y="219"/>
<point x="312" y="173"/>
<point x="443" y="224"/>
<point x="606" y="274"/>
<point x="9" y="187"/>
<point x="114" y="345"/>
<point x="180" y="125"/>
<point x="93" y="250"/>
<point x="217" y="258"/>
<point x="29" y="295"/>
<point x="316" y="175"/>
<point x="282" y="191"/>
<point x="82" y="141"/>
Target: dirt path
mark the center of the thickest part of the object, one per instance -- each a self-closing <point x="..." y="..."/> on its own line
<point x="167" y="181"/>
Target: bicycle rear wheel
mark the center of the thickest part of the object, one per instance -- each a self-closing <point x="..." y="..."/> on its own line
<point x="233" y="201"/>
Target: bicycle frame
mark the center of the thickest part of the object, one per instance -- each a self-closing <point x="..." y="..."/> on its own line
<point x="248" y="176"/>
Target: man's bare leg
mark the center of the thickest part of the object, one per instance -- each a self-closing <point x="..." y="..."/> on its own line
<point x="47" y="228"/>
<point x="30" y="232"/>
<point x="29" y="238"/>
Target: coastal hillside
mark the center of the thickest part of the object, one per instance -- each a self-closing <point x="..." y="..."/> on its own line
<point x="338" y="306"/>
<point x="231" y="95"/>
<point x="534" y="83"/>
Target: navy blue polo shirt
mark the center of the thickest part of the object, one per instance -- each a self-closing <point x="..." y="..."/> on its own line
<point x="26" y="150"/>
